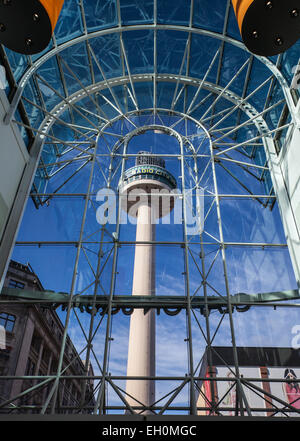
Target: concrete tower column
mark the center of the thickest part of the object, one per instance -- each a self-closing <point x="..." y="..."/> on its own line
<point x="150" y="177"/>
<point x="141" y="350"/>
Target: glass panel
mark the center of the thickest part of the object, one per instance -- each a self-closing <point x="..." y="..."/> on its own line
<point x="132" y="12"/>
<point x="18" y="63"/>
<point x="52" y="263"/>
<point x="100" y="15"/>
<point x="289" y="61"/>
<point x="171" y="47"/>
<point x="35" y="115"/>
<point x="259" y="73"/>
<point x="75" y="67"/>
<point x="233" y="60"/>
<point x="263" y="269"/>
<point x="69" y="24"/>
<point x="273" y="116"/>
<point x="171" y="348"/>
<point x="203" y="50"/>
<point x="108" y="53"/>
<point x="232" y="28"/>
<point x="169" y="268"/>
<point x="175" y="13"/>
<point x="49" y="71"/>
<point x="58" y="220"/>
<point x="209" y="14"/>
<point x="139" y="50"/>
<point x="246" y="220"/>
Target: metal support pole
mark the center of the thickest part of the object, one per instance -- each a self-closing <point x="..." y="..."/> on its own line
<point x="242" y="397"/>
<point x="193" y="407"/>
<point x="54" y="390"/>
<point x="99" y="405"/>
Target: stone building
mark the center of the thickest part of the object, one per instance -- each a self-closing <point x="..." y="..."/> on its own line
<point x="31" y="347"/>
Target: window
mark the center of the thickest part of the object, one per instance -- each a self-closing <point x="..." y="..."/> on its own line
<point x="30" y="368"/>
<point x="15" y="284"/>
<point x="36" y="342"/>
<point x="46" y="356"/>
<point x="7" y="321"/>
<point x="54" y="368"/>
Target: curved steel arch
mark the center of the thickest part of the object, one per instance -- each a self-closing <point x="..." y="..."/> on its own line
<point x="23" y="80"/>
<point x="168" y="130"/>
<point x="86" y="37"/>
<point x="251" y="112"/>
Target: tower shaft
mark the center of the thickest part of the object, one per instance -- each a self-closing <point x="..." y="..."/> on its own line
<point x="141" y="350"/>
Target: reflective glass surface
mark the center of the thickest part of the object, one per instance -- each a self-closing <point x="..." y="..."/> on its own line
<point x="174" y="79"/>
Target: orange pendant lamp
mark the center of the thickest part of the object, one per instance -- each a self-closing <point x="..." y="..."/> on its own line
<point x="26" y="26"/>
<point x="268" y="27"/>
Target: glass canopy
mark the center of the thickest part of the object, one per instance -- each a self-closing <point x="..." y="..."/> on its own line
<point x="109" y="58"/>
<point x="173" y="78"/>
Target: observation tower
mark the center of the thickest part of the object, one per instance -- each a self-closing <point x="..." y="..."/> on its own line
<point x="145" y="192"/>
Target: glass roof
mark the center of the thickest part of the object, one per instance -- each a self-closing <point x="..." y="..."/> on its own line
<point x="112" y="57"/>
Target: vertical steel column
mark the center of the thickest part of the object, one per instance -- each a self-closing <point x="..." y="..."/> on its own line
<point x="207" y="324"/>
<point x="208" y="337"/>
<point x="99" y="405"/>
<point x="241" y="394"/>
<point x="93" y="314"/>
<point x="90" y="336"/>
<point x="54" y="389"/>
<point x="193" y="407"/>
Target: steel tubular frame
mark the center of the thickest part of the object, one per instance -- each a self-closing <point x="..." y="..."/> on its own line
<point x="190" y="380"/>
<point x="186" y="150"/>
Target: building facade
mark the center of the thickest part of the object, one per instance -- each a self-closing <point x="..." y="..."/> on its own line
<point x="275" y="393"/>
<point x="31" y="347"/>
